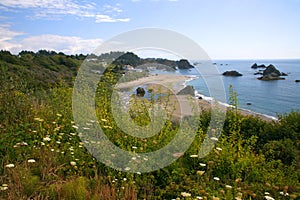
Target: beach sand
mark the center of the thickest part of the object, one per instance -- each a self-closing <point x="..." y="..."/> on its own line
<point x="180" y="105"/>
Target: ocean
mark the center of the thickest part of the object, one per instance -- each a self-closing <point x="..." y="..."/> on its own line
<point x="266" y="97"/>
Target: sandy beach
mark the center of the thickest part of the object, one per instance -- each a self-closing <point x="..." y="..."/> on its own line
<point x="182" y="105"/>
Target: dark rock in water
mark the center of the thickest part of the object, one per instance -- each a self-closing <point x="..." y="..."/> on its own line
<point x="271" y="69"/>
<point x="140" y="91"/>
<point x="249" y="103"/>
<point x="283" y="74"/>
<point x="255" y="66"/>
<point x="188" y="90"/>
<point x="232" y="73"/>
<point x="297" y="81"/>
<point x="271" y="73"/>
<point x="270" y="77"/>
<point x="258" y="73"/>
<point x="184" y="64"/>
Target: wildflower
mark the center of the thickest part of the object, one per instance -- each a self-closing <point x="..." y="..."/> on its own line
<point x="47" y="139"/>
<point x="31" y="161"/>
<point x="127" y="168"/>
<point x="133" y="158"/>
<point x="193" y="156"/>
<point x="228" y="187"/>
<point x="73" y="163"/>
<point x="10" y="165"/>
<point x="38" y="119"/>
<point x="269" y="198"/>
<point x="200" y="173"/>
<point x="202" y="164"/>
<point x="76" y="127"/>
<point x="219" y="149"/>
<point x="238" y="180"/>
<point x="267" y="193"/>
<point x="185" y="194"/>
<point x="198" y="197"/>
<point x="51" y="149"/>
<point x="19" y="144"/>
<point x="4" y="187"/>
<point x="42" y="143"/>
<point x="139" y="173"/>
<point x="284" y="194"/>
<point x="59" y="115"/>
<point x="109" y="127"/>
<point x="125" y="179"/>
<point x="58" y="142"/>
<point x="216" y="178"/>
<point x="214" y="139"/>
<point x="145" y="159"/>
<point x="134" y="147"/>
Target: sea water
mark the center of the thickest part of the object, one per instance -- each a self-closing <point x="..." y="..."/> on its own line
<point x="266" y="97"/>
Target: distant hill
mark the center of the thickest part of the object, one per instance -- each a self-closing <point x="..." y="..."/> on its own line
<point x="45" y="69"/>
<point x="42" y="69"/>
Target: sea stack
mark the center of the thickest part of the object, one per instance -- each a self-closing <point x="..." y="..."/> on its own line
<point x="271" y="73"/>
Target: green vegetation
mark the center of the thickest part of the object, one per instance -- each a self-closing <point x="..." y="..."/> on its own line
<point x="42" y="156"/>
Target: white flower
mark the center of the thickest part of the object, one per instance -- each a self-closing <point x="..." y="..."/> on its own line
<point x="139" y="173"/>
<point x="3" y="188"/>
<point x="133" y="158"/>
<point x="31" y="161"/>
<point x="42" y="143"/>
<point x="185" y="194"/>
<point x="214" y="138"/>
<point x="216" y="178"/>
<point x="269" y="198"/>
<point x="76" y="127"/>
<point x="228" y="187"/>
<point x="134" y="147"/>
<point x="58" y="142"/>
<point x="202" y="164"/>
<point x="47" y="139"/>
<point x="73" y="163"/>
<point x="10" y="165"/>
<point x="200" y="173"/>
<point x="127" y="168"/>
<point x="194" y="156"/>
<point x="267" y="193"/>
<point x="125" y="179"/>
<point x="199" y="197"/>
<point x="219" y="149"/>
<point x="58" y="115"/>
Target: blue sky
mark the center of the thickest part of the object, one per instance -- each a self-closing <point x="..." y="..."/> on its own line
<point x="225" y="29"/>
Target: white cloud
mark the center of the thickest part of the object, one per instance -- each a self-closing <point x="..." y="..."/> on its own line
<point x="66" y="44"/>
<point x="106" y="18"/>
<point x="54" y="9"/>
<point x="6" y="36"/>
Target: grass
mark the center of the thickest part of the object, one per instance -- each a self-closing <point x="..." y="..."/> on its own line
<point x="42" y="156"/>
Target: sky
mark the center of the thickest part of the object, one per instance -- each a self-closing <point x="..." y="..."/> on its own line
<point x="225" y="29"/>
